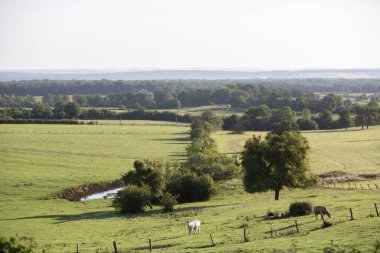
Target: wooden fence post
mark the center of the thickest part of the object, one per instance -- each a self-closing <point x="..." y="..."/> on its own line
<point x="150" y="245"/>
<point x="377" y="186"/>
<point x="297" y="226"/>
<point x="377" y="211"/>
<point x="115" y="247"/>
<point x="245" y="235"/>
<point x="272" y="231"/>
<point x="361" y="186"/>
<point x="212" y="241"/>
<point x="77" y="248"/>
<point x="352" y="215"/>
<point x="369" y="187"/>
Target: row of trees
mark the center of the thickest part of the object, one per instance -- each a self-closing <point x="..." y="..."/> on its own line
<point x="72" y="110"/>
<point x="260" y="118"/>
<point x="194" y="180"/>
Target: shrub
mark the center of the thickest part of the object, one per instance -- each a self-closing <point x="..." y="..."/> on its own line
<point x="132" y="199"/>
<point x="191" y="187"/>
<point x="204" y="158"/>
<point x="300" y="208"/>
<point x="149" y="173"/>
<point x="15" y="245"/>
<point x="168" y="201"/>
<point x="307" y="124"/>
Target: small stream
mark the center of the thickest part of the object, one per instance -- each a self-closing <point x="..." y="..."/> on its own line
<point x="110" y="194"/>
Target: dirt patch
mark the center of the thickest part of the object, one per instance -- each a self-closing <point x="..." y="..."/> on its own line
<point x="76" y="193"/>
<point x="341" y="176"/>
<point x="233" y="146"/>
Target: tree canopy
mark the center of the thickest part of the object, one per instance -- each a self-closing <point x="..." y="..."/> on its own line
<point x="280" y="160"/>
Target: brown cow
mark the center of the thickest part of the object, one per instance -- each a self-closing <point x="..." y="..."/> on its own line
<point x="322" y="211"/>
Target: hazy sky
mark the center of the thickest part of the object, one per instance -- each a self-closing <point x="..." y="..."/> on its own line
<point x="252" y="34"/>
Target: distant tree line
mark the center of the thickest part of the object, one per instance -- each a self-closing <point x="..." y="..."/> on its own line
<point x="332" y="115"/>
<point x="263" y="118"/>
<point x="240" y="96"/>
<point x="72" y="110"/>
<point x="234" y="95"/>
<point x="103" y="87"/>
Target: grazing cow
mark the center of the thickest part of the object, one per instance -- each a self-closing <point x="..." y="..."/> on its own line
<point x="193" y="226"/>
<point x="322" y="211"/>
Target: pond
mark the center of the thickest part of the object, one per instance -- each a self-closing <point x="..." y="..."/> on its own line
<point x="110" y="194"/>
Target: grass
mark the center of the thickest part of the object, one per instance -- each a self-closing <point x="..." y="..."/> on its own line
<point x="135" y="123"/>
<point x="47" y="158"/>
<point x="34" y="165"/>
<point x="220" y="110"/>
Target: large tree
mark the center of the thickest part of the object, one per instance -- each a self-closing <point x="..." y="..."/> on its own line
<point x="345" y="119"/>
<point x="204" y="158"/>
<point x="279" y="160"/>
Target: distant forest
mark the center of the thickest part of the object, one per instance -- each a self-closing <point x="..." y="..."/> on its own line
<point x="103" y="87"/>
<point x="168" y="94"/>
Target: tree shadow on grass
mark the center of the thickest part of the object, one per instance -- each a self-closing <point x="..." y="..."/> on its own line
<point x="61" y="218"/>
<point x="332" y="131"/>
<point x="179" y="140"/>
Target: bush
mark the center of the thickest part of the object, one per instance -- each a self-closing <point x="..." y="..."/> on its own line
<point x="149" y="173"/>
<point x="15" y="245"/>
<point x="168" y="201"/>
<point x="132" y="199"/>
<point x="203" y="158"/>
<point x="307" y="124"/>
<point x="191" y="187"/>
<point x="300" y="208"/>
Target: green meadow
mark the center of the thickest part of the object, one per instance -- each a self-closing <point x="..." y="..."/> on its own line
<point x="39" y="160"/>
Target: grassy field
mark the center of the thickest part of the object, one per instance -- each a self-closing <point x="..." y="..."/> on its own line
<point x="220" y="110"/>
<point x="35" y="163"/>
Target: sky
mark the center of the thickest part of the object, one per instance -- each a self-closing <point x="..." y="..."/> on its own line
<point x="189" y="34"/>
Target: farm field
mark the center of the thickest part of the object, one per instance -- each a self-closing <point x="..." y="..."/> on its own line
<point x="35" y="163"/>
<point x="220" y="110"/>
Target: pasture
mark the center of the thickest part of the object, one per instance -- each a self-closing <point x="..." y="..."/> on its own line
<point x="38" y="160"/>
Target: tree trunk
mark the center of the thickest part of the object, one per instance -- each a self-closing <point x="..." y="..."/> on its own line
<point x="276" y="194"/>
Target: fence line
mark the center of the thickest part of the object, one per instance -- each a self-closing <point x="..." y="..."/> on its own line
<point x="272" y="232"/>
<point x="350" y="187"/>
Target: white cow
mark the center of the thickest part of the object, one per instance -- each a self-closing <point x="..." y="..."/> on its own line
<point x="193" y="226"/>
